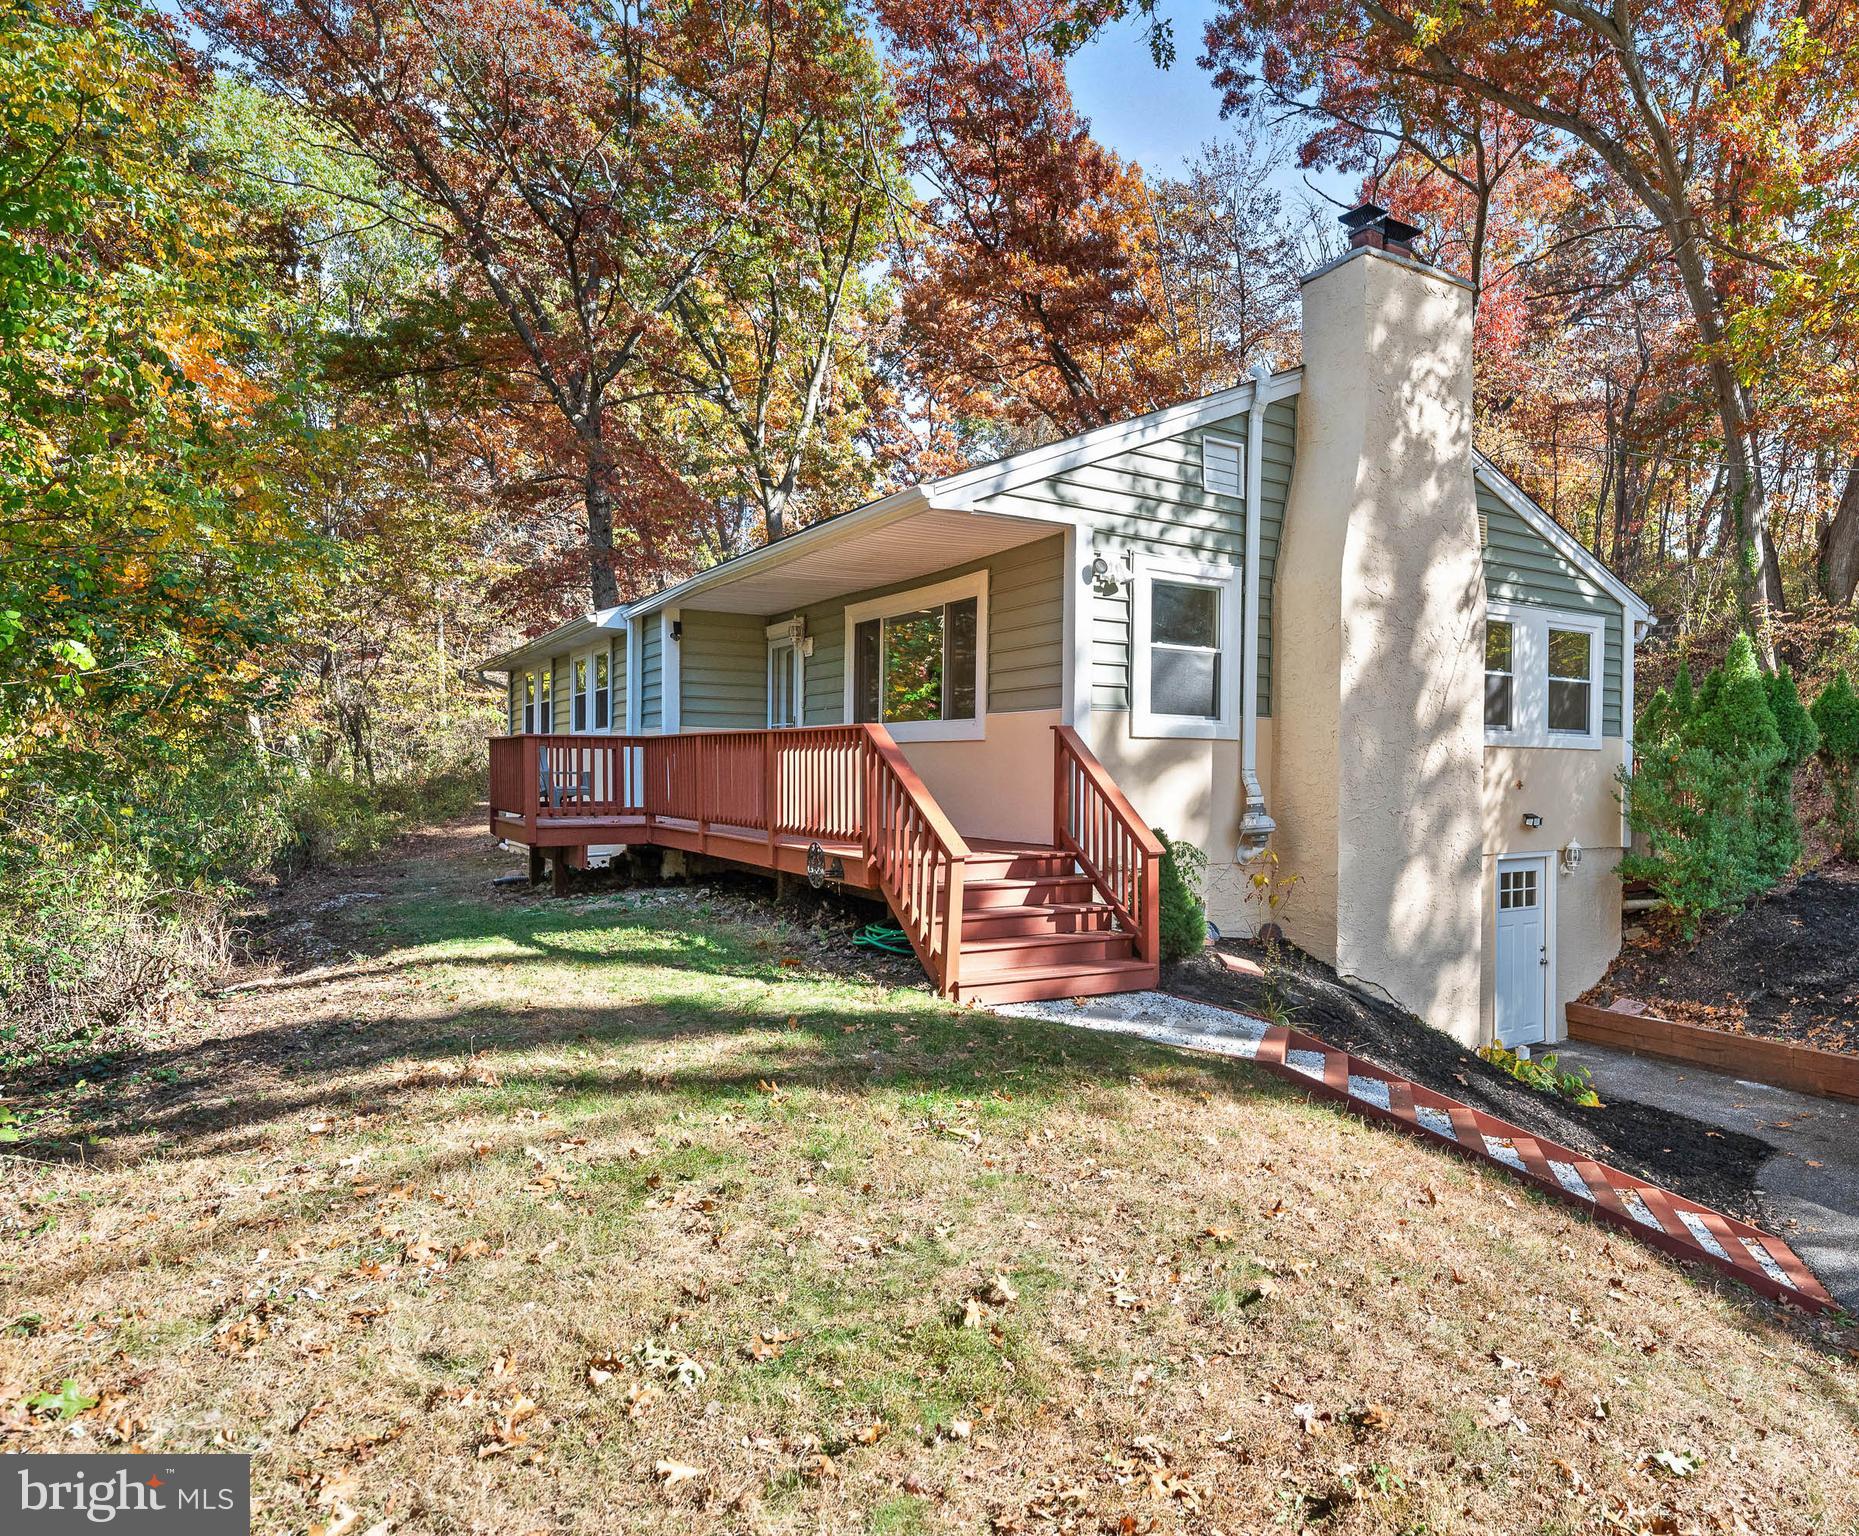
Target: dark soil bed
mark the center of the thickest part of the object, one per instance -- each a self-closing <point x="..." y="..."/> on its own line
<point x="1716" y="1168"/>
<point x="1786" y="967"/>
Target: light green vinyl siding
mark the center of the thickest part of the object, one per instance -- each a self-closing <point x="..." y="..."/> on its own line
<point x="561" y="697"/>
<point x="616" y="672"/>
<point x="651" y="674"/>
<point x="514" y="702"/>
<point x="1150" y="500"/>
<point x="723" y="671"/>
<point x="1026" y="632"/>
<point x="1521" y="566"/>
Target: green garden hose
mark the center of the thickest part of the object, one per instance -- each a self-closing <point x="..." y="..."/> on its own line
<point x="882" y="937"/>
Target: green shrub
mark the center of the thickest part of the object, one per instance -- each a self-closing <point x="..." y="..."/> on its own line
<point x="1184" y="913"/>
<point x="1711" y="792"/>
<point x="1836" y="717"/>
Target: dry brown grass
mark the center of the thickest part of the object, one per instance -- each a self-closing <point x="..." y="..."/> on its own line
<point x="596" y="1217"/>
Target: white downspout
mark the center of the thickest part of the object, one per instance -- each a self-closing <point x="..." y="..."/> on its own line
<point x="1255" y="823"/>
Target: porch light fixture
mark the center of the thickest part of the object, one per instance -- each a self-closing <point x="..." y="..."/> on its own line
<point x="1531" y="819"/>
<point x="1106" y="572"/>
<point x="1571" y="858"/>
<point x="677" y="629"/>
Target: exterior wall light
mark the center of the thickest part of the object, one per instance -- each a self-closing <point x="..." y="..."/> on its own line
<point x="1571" y="858"/>
<point x="1531" y="819"/>
<point x="1106" y="572"/>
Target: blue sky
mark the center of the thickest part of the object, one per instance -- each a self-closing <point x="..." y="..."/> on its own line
<point x="1161" y="118"/>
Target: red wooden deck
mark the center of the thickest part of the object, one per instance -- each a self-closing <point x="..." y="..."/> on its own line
<point x="989" y="921"/>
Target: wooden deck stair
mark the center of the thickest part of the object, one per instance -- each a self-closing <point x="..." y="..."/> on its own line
<point x="1034" y="927"/>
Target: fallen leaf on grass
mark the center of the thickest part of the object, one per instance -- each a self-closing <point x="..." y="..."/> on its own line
<point x="1676" y="1463"/>
<point x="1374" y="1416"/>
<point x="759" y="1348"/>
<point x="871" y="1434"/>
<point x="603" y="1368"/>
<point x="671" y="1473"/>
<point x="640" y="1398"/>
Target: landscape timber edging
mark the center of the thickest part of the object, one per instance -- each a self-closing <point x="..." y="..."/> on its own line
<point x="1657" y="1217"/>
<point x="1802" y="1068"/>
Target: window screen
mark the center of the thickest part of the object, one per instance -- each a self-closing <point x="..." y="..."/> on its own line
<point x="1500" y="674"/>
<point x="1571" y="684"/>
<point x="1184" y="649"/>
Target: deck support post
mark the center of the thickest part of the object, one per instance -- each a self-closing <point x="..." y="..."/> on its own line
<point x="560" y="887"/>
<point x="537" y="863"/>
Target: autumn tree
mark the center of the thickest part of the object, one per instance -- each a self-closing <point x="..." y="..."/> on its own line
<point x="1675" y="103"/>
<point x="1023" y="285"/>
<point x="779" y="321"/>
<point x="1229" y="254"/>
<point x="582" y="173"/>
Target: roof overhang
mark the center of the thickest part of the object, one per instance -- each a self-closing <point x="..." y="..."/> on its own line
<point x="545" y="645"/>
<point x="894" y="541"/>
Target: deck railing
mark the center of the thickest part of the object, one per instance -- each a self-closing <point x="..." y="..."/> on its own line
<point x="1094" y="821"/>
<point x="835" y="783"/>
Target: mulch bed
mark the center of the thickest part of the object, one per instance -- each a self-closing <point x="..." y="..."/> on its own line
<point x="1715" y="1168"/>
<point x="1785" y="967"/>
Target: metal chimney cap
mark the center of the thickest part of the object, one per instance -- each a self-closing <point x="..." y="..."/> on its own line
<point x="1361" y="217"/>
<point x="1397" y="231"/>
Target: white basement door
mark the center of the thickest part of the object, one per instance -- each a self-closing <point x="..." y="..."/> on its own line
<point x="1523" y="956"/>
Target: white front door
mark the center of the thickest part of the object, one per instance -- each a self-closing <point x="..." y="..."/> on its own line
<point x="1523" y="954"/>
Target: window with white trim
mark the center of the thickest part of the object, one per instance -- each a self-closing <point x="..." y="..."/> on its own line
<point x="1223" y="466"/>
<point x="529" y="703"/>
<point x="1500" y="674"/>
<point x="1571" y="680"/>
<point x="593" y="692"/>
<point x="1543" y="670"/>
<point x="1185" y="655"/>
<point x="917" y="661"/>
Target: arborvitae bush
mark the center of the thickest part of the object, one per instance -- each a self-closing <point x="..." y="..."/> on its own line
<point x="1780" y="828"/>
<point x="1836" y="716"/>
<point x="1710" y="793"/>
<point x="1184" y="914"/>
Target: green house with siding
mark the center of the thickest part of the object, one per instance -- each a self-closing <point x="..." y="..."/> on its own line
<point x="1301" y="623"/>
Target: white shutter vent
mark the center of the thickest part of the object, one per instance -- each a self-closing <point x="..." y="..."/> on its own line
<point x="1222" y="467"/>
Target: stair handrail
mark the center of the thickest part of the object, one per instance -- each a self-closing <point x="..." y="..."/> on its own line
<point x="917" y="857"/>
<point x="1123" y="859"/>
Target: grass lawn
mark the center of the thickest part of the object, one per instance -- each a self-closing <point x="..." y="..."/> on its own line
<point x="598" y="1216"/>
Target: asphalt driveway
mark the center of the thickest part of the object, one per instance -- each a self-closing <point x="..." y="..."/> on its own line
<point x="1811" y="1184"/>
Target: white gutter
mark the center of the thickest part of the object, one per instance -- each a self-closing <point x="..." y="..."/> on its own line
<point x="1255" y="823"/>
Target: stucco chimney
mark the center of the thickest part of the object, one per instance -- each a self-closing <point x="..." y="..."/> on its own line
<point x="1378" y="730"/>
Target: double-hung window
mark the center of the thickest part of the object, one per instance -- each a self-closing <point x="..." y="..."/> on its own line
<point x="918" y="660"/>
<point x="1185" y="660"/>
<point x="529" y="703"/>
<point x="593" y="692"/>
<point x="1543" y="670"/>
<point x="1500" y="674"/>
<point x="545" y="699"/>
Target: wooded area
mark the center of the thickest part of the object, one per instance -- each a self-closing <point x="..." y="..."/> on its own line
<point x="345" y="341"/>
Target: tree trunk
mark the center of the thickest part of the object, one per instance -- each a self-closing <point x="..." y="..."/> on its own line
<point x="1838" y="562"/>
<point x="603" y="583"/>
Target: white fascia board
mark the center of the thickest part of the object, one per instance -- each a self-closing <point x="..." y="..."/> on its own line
<point x="1512" y="495"/>
<point x="959" y="491"/>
